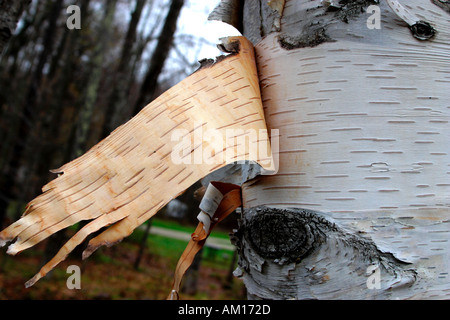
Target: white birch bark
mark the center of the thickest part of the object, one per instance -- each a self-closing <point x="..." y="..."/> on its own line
<point x="364" y="128"/>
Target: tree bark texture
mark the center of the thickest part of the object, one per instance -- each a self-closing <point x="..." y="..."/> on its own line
<point x="363" y="183"/>
<point x="10" y="12"/>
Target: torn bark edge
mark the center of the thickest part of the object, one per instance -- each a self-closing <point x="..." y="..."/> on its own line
<point x="90" y="249"/>
<point x="229" y="45"/>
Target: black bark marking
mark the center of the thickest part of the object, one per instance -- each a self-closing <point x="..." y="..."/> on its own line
<point x="313" y="29"/>
<point x="350" y="9"/>
<point x="312" y="37"/>
<point x="274" y="235"/>
<point x="422" y="30"/>
<point x="284" y="236"/>
<point x="289" y="235"/>
<point x="298" y="254"/>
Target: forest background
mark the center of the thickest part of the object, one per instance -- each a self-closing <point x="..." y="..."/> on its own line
<point x="65" y="84"/>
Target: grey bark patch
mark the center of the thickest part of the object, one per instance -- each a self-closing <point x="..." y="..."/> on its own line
<point x="312" y="38"/>
<point x="312" y="28"/>
<point x="230" y="12"/>
<point x="283" y="236"/>
<point x="299" y="254"/>
<point x="352" y="8"/>
<point x="259" y="20"/>
<point x="443" y="4"/>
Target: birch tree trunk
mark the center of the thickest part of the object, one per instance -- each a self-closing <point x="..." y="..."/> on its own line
<point x="359" y="208"/>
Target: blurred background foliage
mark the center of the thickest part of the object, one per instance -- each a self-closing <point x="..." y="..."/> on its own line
<point x="63" y="90"/>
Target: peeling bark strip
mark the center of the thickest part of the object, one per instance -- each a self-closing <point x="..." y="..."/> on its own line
<point x="363" y="123"/>
<point x="126" y="178"/>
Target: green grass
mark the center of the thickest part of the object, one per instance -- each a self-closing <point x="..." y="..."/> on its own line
<point x="173" y="248"/>
<point x="109" y="273"/>
<point x="165" y="247"/>
<point x="170" y="224"/>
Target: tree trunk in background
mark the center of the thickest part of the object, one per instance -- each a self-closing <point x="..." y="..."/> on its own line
<point x="73" y="50"/>
<point x="26" y="152"/>
<point x="22" y="125"/>
<point x="10" y="12"/>
<point x="143" y="244"/>
<point x="114" y="115"/>
<point x="9" y="119"/>
<point x="85" y="114"/>
<point x="55" y="112"/>
<point x="81" y="129"/>
<point x="159" y="56"/>
<point x="359" y="208"/>
<point x="48" y="43"/>
<point x="34" y="111"/>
